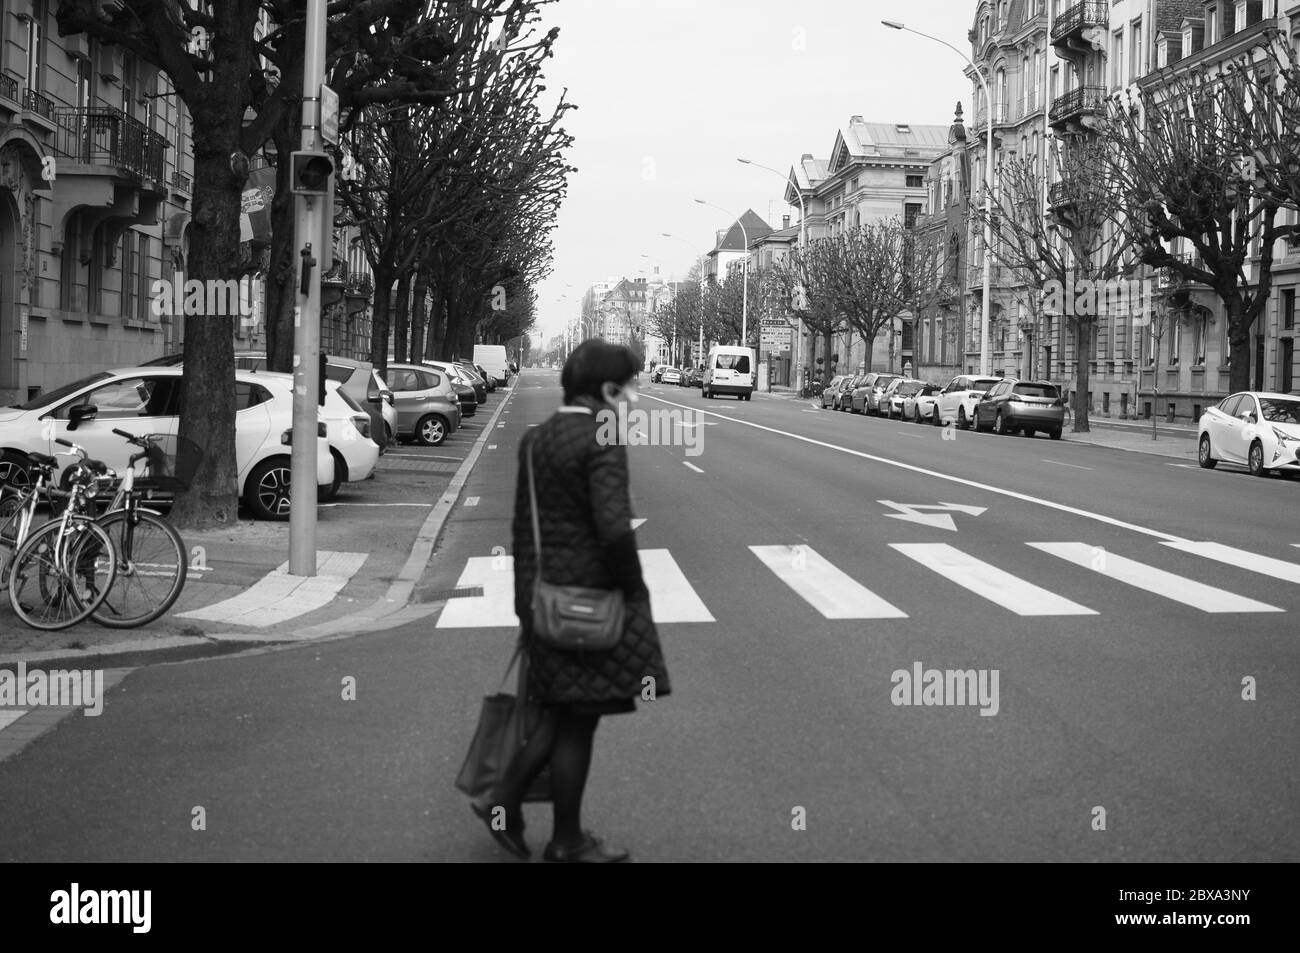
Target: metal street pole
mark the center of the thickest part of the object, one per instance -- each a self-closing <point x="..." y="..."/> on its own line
<point x="803" y="237"/>
<point x="988" y="191"/>
<point x="744" y="276"/>
<point x="309" y="217"/>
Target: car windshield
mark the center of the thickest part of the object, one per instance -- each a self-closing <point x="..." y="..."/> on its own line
<point x="907" y="390"/>
<point x="1279" y="411"/>
<point x="44" y="400"/>
<point x="1035" y="390"/>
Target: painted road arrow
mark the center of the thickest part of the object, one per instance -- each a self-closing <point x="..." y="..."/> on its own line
<point x="941" y="520"/>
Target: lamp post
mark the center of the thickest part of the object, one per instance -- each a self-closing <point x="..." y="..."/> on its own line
<point x="744" y="276"/>
<point x="700" y="254"/>
<point x="988" y="190"/>
<point x="803" y="238"/>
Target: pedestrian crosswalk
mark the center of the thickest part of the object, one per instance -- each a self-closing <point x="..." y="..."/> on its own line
<point x="832" y="592"/>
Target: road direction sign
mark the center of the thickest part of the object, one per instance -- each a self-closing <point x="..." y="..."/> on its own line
<point x="926" y="515"/>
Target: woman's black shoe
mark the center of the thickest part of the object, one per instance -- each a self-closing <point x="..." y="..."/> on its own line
<point x="592" y="850"/>
<point x="512" y="838"/>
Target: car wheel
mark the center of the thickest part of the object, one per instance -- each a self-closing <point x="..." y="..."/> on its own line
<point x="1203" y="455"/>
<point x="937" y="419"/>
<point x="326" y="493"/>
<point x="15" y="469"/>
<point x="962" y="422"/>
<point x="267" y="491"/>
<point x="998" y="427"/>
<point x="1027" y="431"/>
<point x="431" y="430"/>
<point x="1255" y="460"/>
<point x="1055" y="434"/>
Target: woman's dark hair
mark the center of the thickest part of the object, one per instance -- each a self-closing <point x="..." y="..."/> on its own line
<point x="592" y="363"/>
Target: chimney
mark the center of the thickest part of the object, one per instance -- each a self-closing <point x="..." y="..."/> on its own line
<point x="857" y="119"/>
<point x="806" y="155"/>
<point x="785" y="221"/>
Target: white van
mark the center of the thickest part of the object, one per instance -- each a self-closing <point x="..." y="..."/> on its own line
<point x="494" y="361"/>
<point x="730" y="370"/>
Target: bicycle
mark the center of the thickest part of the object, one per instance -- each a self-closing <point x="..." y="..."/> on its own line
<point x="61" y="572"/>
<point x="151" y="555"/>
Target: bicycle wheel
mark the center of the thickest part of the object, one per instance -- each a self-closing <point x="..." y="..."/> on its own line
<point x="55" y="583"/>
<point x="151" y="569"/>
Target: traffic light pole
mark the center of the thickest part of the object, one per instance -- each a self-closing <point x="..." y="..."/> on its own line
<point x="308" y="232"/>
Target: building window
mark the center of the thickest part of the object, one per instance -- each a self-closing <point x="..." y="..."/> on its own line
<point x="853" y="185"/>
<point x="911" y="212"/>
<point x="1117" y="48"/>
<point x="1211" y="25"/>
<point x="1198" y="343"/>
<point x="35" y="45"/>
<point x="1288" y="309"/>
<point x="1135" y="65"/>
<point x="130" y="271"/>
<point x="915" y="181"/>
<point x="1175" y="340"/>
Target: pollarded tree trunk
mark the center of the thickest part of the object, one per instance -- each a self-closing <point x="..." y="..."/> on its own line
<point x="208" y="408"/>
<point x="1084" y="347"/>
<point x="379" y="321"/>
<point x="419" y="317"/>
<point x="402" y="320"/>
<point x="282" y="273"/>
<point x="1238" y="343"/>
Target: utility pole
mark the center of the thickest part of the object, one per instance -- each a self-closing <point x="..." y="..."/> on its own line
<point x="309" y="235"/>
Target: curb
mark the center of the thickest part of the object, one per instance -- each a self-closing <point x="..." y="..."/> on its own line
<point x="391" y="609"/>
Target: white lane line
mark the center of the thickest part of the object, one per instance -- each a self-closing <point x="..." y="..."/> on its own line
<point x="9" y="715"/>
<point x="692" y="466"/>
<point x="492" y="446"/>
<point x="822" y="584"/>
<point x="471" y="501"/>
<point x="1178" y="588"/>
<point x="278" y="596"/>
<point x="1001" y="491"/>
<point x="1184" y="466"/>
<point x="986" y="580"/>
<point x="1241" y="559"/>
<point x="672" y="598"/>
<point x="325" y="506"/>
<point x="495" y="608"/>
<point x="906" y="433"/>
<point x="1072" y="466"/>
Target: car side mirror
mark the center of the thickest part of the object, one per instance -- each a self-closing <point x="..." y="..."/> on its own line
<point x="80" y="413"/>
<point x="1248" y="416"/>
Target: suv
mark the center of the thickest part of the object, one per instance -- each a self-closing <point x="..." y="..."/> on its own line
<point x="1026" y="406"/>
<point x="956" y="402"/>
<point x="427" y="407"/>
<point x="146" y="400"/>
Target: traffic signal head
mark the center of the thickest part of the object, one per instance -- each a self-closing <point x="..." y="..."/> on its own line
<point x="311" y="173"/>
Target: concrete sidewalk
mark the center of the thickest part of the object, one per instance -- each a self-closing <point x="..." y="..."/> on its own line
<point x="1171" y="440"/>
<point x="373" y="542"/>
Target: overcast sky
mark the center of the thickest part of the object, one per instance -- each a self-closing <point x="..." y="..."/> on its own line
<point x="671" y="92"/>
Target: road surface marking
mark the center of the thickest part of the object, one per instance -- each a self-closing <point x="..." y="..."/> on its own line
<point x="328" y="505"/>
<point x="499" y="426"/>
<point x="1242" y="559"/>
<point x="495" y="608"/>
<point x="908" y="433"/>
<point x="1167" y="584"/>
<point x="912" y="512"/>
<point x="1072" y="466"/>
<point x="1184" y="466"/>
<point x="638" y="522"/>
<point x="1001" y="491"/>
<point x="986" y="580"/>
<point x="9" y="715"/>
<point x="687" y="463"/>
<point x="821" y="584"/>
<point x="672" y="598"/>
<point x="279" y="596"/>
<point x="492" y="446"/>
<point x="471" y="501"/>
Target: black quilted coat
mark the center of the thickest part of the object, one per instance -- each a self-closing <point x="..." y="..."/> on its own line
<point x="585" y="514"/>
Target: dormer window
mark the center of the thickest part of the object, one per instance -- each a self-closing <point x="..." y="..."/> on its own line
<point x="1211" y="25"/>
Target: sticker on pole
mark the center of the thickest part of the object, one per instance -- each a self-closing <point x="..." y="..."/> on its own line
<point x="329" y="115"/>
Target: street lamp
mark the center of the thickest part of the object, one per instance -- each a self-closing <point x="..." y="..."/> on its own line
<point x="988" y="191"/>
<point x="744" y="276"/>
<point x="803" y="238"/>
<point x="694" y="248"/>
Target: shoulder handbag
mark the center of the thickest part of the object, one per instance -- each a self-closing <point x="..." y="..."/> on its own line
<point x="571" y="617"/>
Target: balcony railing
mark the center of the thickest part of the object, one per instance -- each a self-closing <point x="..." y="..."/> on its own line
<point x="9" y="88"/>
<point x="182" y="183"/>
<point x="1080" y="17"/>
<point x="1078" y="101"/>
<point x="1000" y="113"/>
<point x="38" y="103"/>
<point x="102" y="135"/>
<point x="1169" y="277"/>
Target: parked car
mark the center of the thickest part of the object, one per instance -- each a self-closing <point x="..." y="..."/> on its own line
<point x="471" y="377"/>
<point x="693" y="378"/>
<point x="857" y="397"/>
<point x="493" y="358"/>
<point x="670" y="375"/>
<point x="956" y="402"/>
<point x="891" y="402"/>
<point x="1013" y="405"/>
<point x="146" y="400"/>
<point x="881" y="384"/>
<point x="1258" y="429"/>
<point x="843" y="398"/>
<point x="428" y="410"/>
<point x="828" y="392"/>
<point x="482" y="372"/>
<point x="474" y="382"/>
<point x="920" y="406"/>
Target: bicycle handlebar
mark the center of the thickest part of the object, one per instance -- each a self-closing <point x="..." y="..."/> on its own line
<point x="64" y="443"/>
<point x="127" y="436"/>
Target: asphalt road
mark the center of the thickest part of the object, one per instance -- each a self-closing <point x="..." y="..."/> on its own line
<point x="1120" y="677"/>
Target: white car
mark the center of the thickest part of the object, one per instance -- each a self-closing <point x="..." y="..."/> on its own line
<point x="347" y="430"/>
<point x="920" y="405"/>
<point x="671" y="375"/>
<point x="146" y="400"/>
<point x="1259" y="430"/>
<point x="956" y="402"/>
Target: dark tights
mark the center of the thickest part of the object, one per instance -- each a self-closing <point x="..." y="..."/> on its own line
<point x="564" y="740"/>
